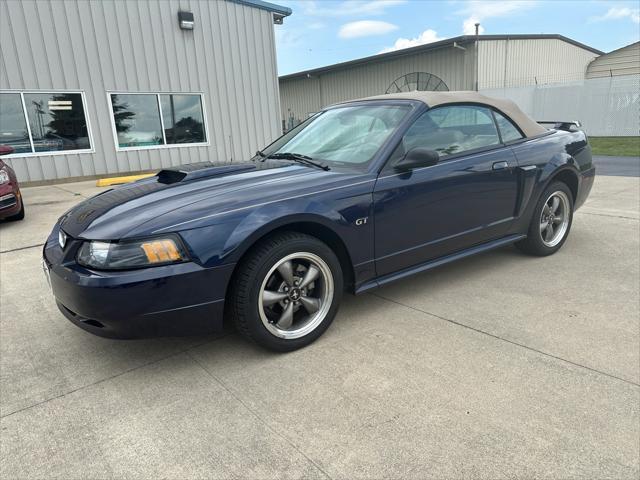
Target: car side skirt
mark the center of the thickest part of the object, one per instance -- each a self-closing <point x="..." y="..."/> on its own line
<point x="484" y="247"/>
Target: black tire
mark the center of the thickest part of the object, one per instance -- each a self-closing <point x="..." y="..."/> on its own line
<point x="17" y="216"/>
<point x="535" y="244"/>
<point x="243" y="298"/>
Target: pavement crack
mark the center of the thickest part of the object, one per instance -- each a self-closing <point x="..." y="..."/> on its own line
<point x="76" y="194"/>
<point x="257" y="416"/>
<point x="477" y="330"/>
<point x="97" y="382"/>
<point x="22" y="248"/>
<point x="607" y="215"/>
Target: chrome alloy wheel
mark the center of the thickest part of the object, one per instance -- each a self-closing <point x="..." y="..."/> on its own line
<point x="554" y="219"/>
<point x="296" y="295"/>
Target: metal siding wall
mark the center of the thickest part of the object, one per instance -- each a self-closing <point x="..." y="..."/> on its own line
<point x="300" y="96"/>
<point x="137" y="46"/>
<point x="625" y="61"/>
<point x="530" y="61"/>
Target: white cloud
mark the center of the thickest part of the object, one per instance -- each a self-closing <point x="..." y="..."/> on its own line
<point x="428" y="36"/>
<point x="350" y="7"/>
<point x="616" y="13"/>
<point x="479" y="10"/>
<point x="365" y="28"/>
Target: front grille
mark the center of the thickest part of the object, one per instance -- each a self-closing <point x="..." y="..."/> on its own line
<point x="8" y="201"/>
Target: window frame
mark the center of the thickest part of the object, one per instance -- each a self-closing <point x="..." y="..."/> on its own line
<point x="52" y="91"/>
<point x="473" y="151"/>
<point x="495" y="111"/>
<point x="157" y="94"/>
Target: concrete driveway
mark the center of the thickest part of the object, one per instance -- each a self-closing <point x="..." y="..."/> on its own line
<point x="499" y="366"/>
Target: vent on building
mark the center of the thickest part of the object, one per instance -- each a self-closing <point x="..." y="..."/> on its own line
<point x="421" y="81"/>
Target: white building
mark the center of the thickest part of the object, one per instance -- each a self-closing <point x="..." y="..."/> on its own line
<point x="502" y="61"/>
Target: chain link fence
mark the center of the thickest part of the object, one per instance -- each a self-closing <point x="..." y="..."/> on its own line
<point x="608" y="107"/>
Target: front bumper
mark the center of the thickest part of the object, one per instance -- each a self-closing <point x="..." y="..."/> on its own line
<point x="10" y="201"/>
<point x="171" y="300"/>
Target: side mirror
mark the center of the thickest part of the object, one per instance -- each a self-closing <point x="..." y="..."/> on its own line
<point x="6" y="150"/>
<point x="418" y="158"/>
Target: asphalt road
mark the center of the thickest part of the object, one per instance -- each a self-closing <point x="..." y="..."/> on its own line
<point x="498" y="366"/>
<point x="617" y="166"/>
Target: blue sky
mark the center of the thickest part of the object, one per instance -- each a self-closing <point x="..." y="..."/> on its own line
<point x="323" y="32"/>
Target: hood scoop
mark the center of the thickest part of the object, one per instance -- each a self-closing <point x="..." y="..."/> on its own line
<point x="186" y="173"/>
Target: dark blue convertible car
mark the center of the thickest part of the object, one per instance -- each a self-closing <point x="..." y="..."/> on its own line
<point x="360" y="194"/>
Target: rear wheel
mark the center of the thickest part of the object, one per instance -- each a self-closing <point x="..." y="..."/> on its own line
<point x="551" y="221"/>
<point x="286" y="292"/>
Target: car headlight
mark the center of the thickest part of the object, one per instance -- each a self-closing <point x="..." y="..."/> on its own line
<point x="130" y="254"/>
<point x="4" y="177"/>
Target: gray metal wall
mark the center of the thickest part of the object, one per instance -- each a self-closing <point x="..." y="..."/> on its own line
<point x="500" y="63"/>
<point x="301" y="95"/>
<point x="624" y="61"/>
<point x="137" y="46"/>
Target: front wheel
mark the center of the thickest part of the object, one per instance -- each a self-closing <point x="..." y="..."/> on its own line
<point x="286" y="292"/>
<point x="551" y="221"/>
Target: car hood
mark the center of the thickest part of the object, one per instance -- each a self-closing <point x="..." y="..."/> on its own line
<point x="175" y="197"/>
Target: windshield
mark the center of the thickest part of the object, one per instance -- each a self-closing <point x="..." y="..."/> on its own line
<point x="349" y="135"/>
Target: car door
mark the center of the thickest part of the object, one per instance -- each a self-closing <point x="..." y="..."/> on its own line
<point x="467" y="198"/>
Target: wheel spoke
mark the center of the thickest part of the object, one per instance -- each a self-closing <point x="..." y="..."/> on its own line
<point x="311" y="304"/>
<point x="310" y="276"/>
<point x="543" y="226"/>
<point x="558" y="219"/>
<point x="555" y="204"/>
<point x="546" y="210"/>
<point x="549" y="235"/>
<point x="286" y="270"/>
<point x="269" y="297"/>
<point x="286" y="319"/>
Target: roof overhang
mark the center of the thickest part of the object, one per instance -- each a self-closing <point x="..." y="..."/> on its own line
<point x="458" y="42"/>
<point x="279" y="12"/>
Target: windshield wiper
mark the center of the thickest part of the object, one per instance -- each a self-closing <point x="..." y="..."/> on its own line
<point x="299" y="158"/>
<point x="259" y="156"/>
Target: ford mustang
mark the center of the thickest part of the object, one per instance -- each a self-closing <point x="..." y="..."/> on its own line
<point x="361" y="194"/>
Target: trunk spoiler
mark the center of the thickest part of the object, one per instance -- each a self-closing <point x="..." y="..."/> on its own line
<point x="567" y="126"/>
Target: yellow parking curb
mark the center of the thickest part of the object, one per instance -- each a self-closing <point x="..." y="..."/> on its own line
<point x="106" y="182"/>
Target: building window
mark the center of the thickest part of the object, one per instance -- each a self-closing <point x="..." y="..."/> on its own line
<point x="44" y="123"/>
<point x="149" y="120"/>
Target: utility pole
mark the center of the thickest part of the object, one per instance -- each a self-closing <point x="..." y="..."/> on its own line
<point x="475" y="57"/>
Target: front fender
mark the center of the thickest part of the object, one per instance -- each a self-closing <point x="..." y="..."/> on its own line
<point x="231" y="236"/>
<point x="263" y="221"/>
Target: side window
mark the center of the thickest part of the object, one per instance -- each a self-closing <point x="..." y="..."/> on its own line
<point x="36" y="122"/>
<point x="508" y="130"/>
<point x="452" y="130"/>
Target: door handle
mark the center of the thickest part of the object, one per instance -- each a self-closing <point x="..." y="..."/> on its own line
<point x="500" y="165"/>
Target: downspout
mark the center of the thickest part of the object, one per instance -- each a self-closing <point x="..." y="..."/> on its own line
<point x="475" y="59"/>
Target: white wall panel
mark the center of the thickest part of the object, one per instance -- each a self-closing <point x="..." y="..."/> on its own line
<point x="624" y="61"/>
<point x="517" y="62"/>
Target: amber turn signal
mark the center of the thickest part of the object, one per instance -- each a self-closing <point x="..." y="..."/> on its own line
<point x="160" y="251"/>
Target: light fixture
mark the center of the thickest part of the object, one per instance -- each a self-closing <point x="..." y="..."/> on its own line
<point x="185" y="19"/>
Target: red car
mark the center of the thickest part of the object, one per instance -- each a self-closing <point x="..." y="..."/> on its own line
<point x="11" y="206"/>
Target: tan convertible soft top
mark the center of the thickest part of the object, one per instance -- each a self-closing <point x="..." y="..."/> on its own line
<point x="432" y="99"/>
